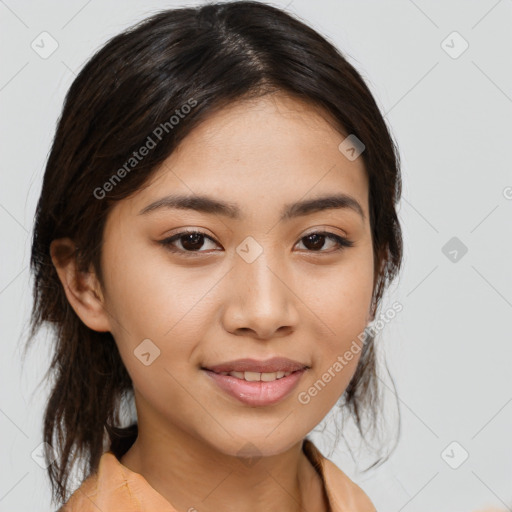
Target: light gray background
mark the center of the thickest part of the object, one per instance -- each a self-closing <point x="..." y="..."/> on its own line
<point x="450" y="348"/>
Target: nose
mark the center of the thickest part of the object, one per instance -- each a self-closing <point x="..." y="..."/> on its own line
<point x="260" y="300"/>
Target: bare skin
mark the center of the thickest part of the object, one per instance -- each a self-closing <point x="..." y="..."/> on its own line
<point x="213" y="306"/>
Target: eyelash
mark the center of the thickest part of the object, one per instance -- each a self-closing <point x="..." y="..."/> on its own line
<point x="342" y="242"/>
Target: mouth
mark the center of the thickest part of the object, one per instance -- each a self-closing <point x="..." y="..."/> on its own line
<point x="257" y="376"/>
<point x="256" y="389"/>
<point x="281" y="365"/>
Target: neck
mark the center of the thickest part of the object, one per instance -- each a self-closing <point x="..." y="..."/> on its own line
<point x="190" y="475"/>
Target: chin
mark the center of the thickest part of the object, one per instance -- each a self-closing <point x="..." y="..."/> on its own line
<point x="262" y="442"/>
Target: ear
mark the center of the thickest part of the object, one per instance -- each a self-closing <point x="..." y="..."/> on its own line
<point x="82" y="289"/>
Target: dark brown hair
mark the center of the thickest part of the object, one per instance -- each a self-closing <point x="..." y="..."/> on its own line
<point x="209" y="56"/>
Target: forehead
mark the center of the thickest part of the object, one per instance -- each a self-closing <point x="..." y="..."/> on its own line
<point x="260" y="153"/>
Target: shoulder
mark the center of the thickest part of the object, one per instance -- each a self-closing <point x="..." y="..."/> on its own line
<point x="342" y="492"/>
<point x="83" y="499"/>
<point x="115" y="487"/>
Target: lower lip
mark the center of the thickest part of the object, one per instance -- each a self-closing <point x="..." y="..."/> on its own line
<point x="257" y="393"/>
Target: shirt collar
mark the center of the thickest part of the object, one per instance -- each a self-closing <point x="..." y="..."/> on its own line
<point x="114" y="485"/>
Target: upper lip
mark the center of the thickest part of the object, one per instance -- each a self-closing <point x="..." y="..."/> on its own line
<point x="275" y="364"/>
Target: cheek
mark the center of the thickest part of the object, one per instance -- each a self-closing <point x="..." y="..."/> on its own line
<point x="341" y="297"/>
<point x="342" y="302"/>
<point x="167" y="305"/>
<point x="150" y="297"/>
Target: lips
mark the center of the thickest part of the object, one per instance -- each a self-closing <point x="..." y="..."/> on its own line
<point x="273" y="365"/>
<point x="256" y="393"/>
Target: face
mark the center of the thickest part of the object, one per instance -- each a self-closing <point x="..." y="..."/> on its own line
<point x="249" y="283"/>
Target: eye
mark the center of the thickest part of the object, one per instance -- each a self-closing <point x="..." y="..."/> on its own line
<point x="192" y="241"/>
<point x="316" y="240"/>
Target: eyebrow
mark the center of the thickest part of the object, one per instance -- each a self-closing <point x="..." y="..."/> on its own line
<point x="210" y="205"/>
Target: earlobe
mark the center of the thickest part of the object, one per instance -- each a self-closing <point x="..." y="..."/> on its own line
<point x="82" y="289"/>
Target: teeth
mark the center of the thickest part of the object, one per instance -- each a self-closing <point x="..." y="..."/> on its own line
<point x="255" y="376"/>
<point x="252" y="376"/>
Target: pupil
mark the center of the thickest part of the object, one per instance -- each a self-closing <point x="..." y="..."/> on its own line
<point x="194" y="238"/>
<point x="318" y="238"/>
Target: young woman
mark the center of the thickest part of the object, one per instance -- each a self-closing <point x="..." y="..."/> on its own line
<point x="215" y="231"/>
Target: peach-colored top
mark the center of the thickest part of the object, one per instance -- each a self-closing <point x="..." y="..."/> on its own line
<point x="115" y="488"/>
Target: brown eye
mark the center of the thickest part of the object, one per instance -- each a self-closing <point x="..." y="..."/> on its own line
<point x="190" y="241"/>
<point x="315" y="241"/>
<point x="193" y="241"/>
